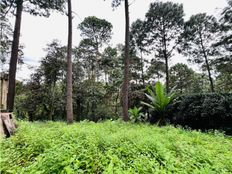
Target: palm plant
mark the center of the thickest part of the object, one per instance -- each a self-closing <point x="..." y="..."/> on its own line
<point x="136" y="114"/>
<point x="160" y="100"/>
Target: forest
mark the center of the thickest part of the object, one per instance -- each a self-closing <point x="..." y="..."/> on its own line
<point x="128" y="108"/>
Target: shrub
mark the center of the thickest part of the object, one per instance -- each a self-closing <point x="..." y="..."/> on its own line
<point x="203" y="111"/>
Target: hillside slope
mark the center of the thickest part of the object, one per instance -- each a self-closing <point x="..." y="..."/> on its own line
<point x="113" y="147"/>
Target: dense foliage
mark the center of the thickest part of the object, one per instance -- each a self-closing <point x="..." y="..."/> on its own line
<point x="113" y="147"/>
<point x="203" y="111"/>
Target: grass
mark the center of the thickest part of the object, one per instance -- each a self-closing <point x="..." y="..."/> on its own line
<point x="113" y="147"/>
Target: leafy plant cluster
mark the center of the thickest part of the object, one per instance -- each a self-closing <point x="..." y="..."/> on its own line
<point x="159" y="102"/>
<point x="113" y="147"/>
<point x="203" y="111"/>
<point x="156" y="106"/>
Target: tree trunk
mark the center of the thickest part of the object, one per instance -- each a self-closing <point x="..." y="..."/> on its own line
<point x="14" y="57"/>
<point x="126" y="66"/>
<point x="166" y="64"/>
<point x="207" y="65"/>
<point x="143" y="80"/>
<point x="167" y="74"/>
<point x="209" y="74"/>
<point x="69" y="105"/>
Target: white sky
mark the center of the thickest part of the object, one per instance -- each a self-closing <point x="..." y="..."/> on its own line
<point x="36" y="32"/>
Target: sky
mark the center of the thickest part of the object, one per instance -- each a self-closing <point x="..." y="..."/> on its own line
<point x="37" y="32"/>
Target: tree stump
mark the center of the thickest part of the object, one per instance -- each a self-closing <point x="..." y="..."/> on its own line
<point x="7" y="125"/>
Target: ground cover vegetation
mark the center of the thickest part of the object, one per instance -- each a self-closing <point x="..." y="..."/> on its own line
<point x="113" y="147"/>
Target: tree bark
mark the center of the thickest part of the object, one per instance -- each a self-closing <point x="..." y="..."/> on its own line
<point x="14" y="57"/>
<point x="69" y="104"/>
<point x="126" y="66"/>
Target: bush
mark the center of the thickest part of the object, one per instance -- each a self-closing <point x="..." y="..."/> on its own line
<point x="203" y="111"/>
<point x="113" y="147"/>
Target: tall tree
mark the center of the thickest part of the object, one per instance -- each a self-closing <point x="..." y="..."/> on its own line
<point x="96" y="32"/>
<point x="126" y="62"/>
<point x="88" y="54"/>
<point x="116" y="3"/>
<point x="14" y="57"/>
<point x="36" y="7"/>
<point x="165" y="24"/>
<point x="69" y="100"/>
<point x="138" y="35"/>
<point x="198" y="39"/>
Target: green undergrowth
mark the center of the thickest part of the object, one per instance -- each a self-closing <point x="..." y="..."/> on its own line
<point x="113" y="147"/>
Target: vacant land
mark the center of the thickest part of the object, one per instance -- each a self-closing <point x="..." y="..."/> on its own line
<point x="113" y="147"/>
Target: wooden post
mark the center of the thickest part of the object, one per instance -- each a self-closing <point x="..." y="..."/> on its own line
<point x="3" y="90"/>
<point x="7" y="125"/>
